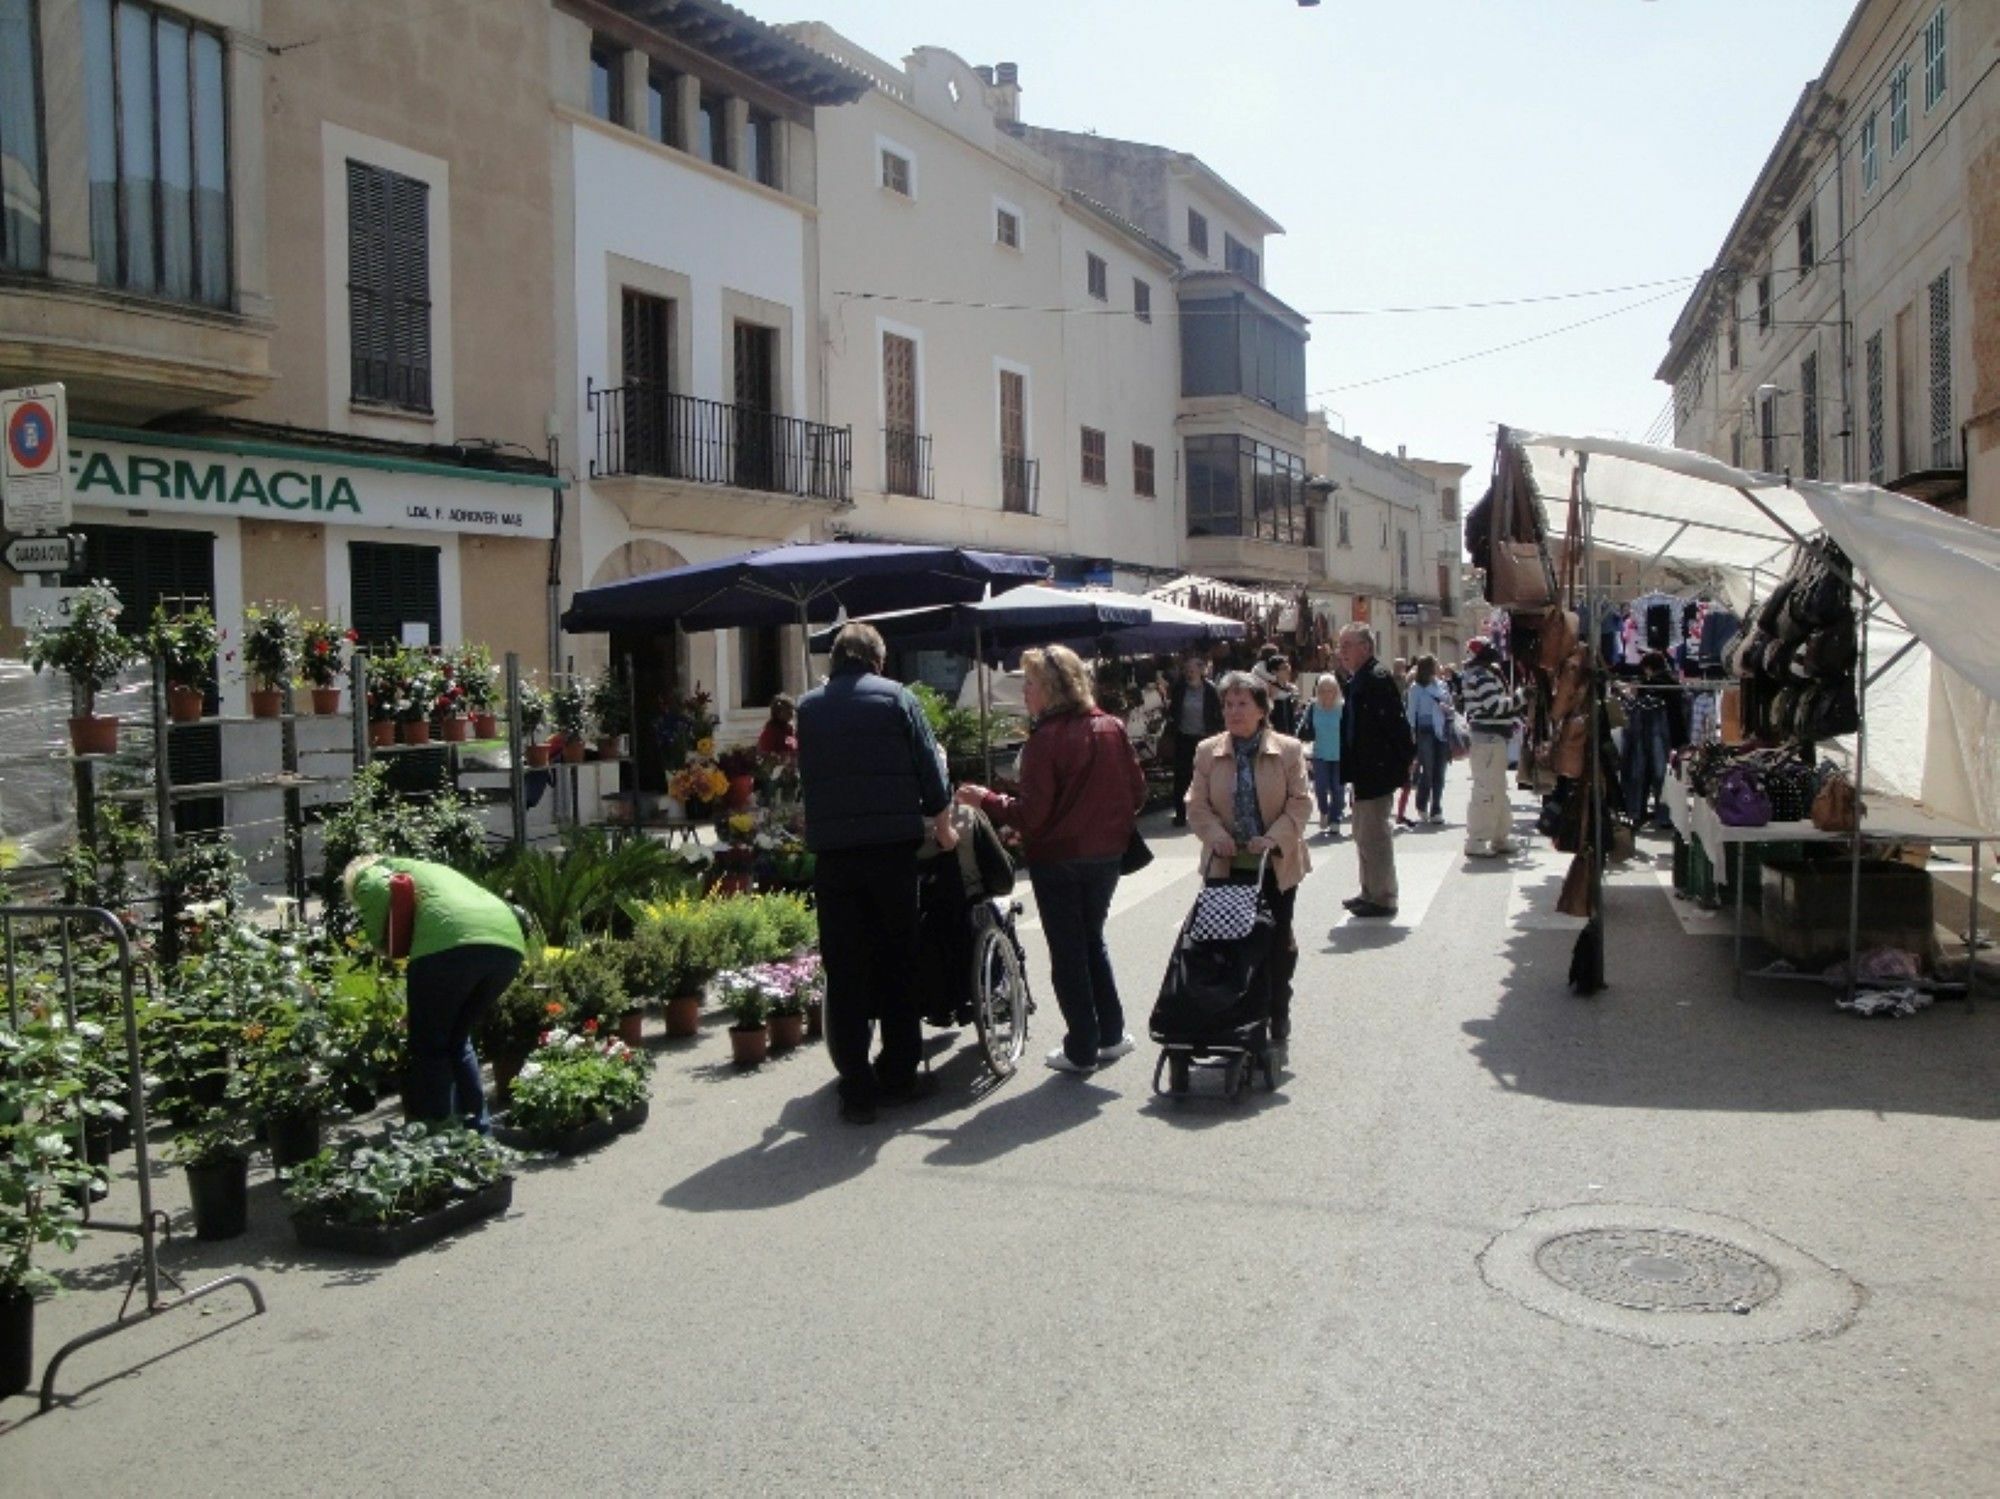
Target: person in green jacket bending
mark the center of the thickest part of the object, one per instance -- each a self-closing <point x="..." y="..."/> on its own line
<point x="464" y="945"/>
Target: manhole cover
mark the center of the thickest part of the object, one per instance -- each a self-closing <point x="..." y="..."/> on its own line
<point x="1658" y="1270"/>
<point x="1667" y="1276"/>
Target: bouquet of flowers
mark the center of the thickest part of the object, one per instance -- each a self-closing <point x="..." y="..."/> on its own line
<point x="698" y="782"/>
<point x="685" y="728"/>
<point x="323" y="653"/>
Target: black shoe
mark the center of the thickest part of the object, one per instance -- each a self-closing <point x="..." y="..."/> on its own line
<point x="1355" y="900"/>
<point x="921" y="1085"/>
<point x="857" y="1111"/>
<point x="1368" y="908"/>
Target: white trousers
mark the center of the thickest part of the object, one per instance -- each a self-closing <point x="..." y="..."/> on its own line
<point x="1489" y="824"/>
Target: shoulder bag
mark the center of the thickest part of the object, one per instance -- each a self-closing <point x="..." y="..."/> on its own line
<point x="1836" y="809"/>
<point x="1740" y="801"/>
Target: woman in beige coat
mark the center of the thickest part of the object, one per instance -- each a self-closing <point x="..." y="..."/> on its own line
<point x="1250" y="797"/>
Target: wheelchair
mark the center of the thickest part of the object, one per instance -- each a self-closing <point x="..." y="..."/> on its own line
<point x="971" y="968"/>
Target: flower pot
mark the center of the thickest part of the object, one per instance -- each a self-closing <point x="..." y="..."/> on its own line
<point x="609" y="746"/>
<point x="267" y="702"/>
<point x="294" y="1139"/>
<point x="506" y="1067"/>
<point x="326" y="701"/>
<point x="741" y="790"/>
<point x="93" y="735"/>
<point x="485" y="726"/>
<point x="632" y="1027"/>
<point x="417" y="732"/>
<point x="184" y="704"/>
<point x="749" y="1046"/>
<point x="815" y="1020"/>
<point x="456" y="730"/>
<point x="220" y="1194"/>
<point x="787" y="1031"/>
<point x="391" y="1240"/>
<point x="684" y="1015"/>
<point x="538" y="756"/>
<point x="572" y="752"/>
<point x="17" y="1341"/>
<point x="381" y="732"/>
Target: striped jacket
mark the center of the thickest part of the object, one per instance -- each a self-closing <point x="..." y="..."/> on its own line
<point x="1489" y="707"/>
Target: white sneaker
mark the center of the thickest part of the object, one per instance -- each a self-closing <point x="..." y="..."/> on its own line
<point x="1058" y="1061"/>
<point x="1124" y="1046"/>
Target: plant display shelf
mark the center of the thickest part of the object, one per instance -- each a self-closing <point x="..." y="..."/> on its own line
<point x="272" y="781"/>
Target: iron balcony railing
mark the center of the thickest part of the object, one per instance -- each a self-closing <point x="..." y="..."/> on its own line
<point x="1020" y="483"/>
<point x="643" y="428"/>
<point x="906" y="463"/>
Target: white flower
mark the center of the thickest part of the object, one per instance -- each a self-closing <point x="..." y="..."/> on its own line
<point x="530" y="1069"/>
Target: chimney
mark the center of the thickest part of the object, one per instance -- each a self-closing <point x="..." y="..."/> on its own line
<point x="1402" y="451"/>
<point x="1007" y="83"/>
<point x="985" y="74"/>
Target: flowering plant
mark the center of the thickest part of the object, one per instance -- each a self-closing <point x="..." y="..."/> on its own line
<point x="186" y="643"/>
<point x="474" y="672"/>
<point x="534" y="710"/>
<point x="420" y="686"/>
<point x="698" y="780"/>
<point x="685" y="728"/>
<point x="87" y="644"/>
<point x="273" y="644"/>
<point x="576" y="1077"/>
<point x="798" y="982"/>
<point x="323" y="647"/>
<point x="567" y="706"/>
<point x="747" y="993"/>
<point x="741" y="760"/>
<point x="611" y="701"/>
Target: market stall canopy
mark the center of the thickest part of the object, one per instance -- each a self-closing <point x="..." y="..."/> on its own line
<point x="798" y="584"/>
<point x="1271" y="611"/>
<point x="1038" y="615"/>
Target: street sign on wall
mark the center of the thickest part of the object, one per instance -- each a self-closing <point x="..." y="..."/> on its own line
<point x="44" y="554"/>
<point x="34" y="469"/>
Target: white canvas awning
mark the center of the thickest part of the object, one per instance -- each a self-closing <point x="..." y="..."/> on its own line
<point x="1938" y="579"/>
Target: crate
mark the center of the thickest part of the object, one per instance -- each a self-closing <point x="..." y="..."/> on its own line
<point x="1694" y="875"/>
<point x="1807" y="899"/>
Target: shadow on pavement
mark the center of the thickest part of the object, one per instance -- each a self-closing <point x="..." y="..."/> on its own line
<point x="1025" y="1118"/>
<point x="1371" y="935"/>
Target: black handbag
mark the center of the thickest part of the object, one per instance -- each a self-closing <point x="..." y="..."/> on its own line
<point x="1835" y="710"/>
<point x="1138" y="854"/>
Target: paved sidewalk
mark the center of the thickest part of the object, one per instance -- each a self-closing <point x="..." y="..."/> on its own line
<point x="1064" y="1285"/>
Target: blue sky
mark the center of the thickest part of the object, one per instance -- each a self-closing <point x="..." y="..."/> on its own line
<point x="1427" y="151"/>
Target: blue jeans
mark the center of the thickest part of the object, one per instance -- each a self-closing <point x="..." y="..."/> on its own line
<point x="1645" y="769"/>
<point x="1327" y="790"/>
<point x="448" y="992"/>
<point x="1433" y="754"/>
<point x="1073" y="899"/>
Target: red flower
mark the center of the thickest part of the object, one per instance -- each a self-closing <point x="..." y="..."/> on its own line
<point x="353" y="635"/>
<point x="553" y="1007"/>
<point x="590" y="1027"/>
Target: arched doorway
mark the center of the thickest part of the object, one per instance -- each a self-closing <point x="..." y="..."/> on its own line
<point x="658" y="660"/>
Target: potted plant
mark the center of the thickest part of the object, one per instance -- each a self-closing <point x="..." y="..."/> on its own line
<point x="509" y="1029"/>
<point x="476" y="674"/>
<point x="211" y="1148"/>
<point x="389" y="1193"/>
<point x="286" y="1086"/>
<point x="273" y="647"/>
<point x="423" y="688"/>
<point x="572" y="716"/>
<point x="41" y="1176"/>
<point x="323" y="648"/>
<point x="740" y="766"/>
<point x="747" y="995"/>
<point x="84" y="643"/>
<point x="797" y="984"/>
<point x="590" y="981"/>
<point x="677" y="953"/>
<point x="387" y="687"/>
<point x="534" y="718"/>
<point x="187" y="644"/>
<point x="576" y="1091"/>
<point x="611" y="708"/>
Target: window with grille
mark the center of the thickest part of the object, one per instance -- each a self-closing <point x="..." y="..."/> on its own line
<point x="1877" y="454"/>
<point x="389" y="286"/>
<point x="1142" y="300"/>
<point x="1342" y="535"/>
<point x="1934" y="60"/>
<point x="1871" y="156"/>
<point x="1899" y="111"/>
<point x="391" y="585"/>
<point x="1241" y="259"/>
<point x="1093" y="456"/>
<point x="896" y="172"/>
<point x="1097" y="277"/>
<point x="158" y="150"/>
<point x="1767" y="434"/>
<point x="1007" y="228"/>
<point x="1942" y="446"/>
<point x="1808" y="246"/>
<point x="1197" y="233"/>
<point x="1809" y="416"/>
<point x="607" y="81"/>
<point x="1764" y="303"/>
<point x="21" y="211"/>
<point x="1143" y="483"/>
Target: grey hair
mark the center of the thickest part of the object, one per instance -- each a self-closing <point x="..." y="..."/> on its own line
<point x="1356" y="630"/>
<point x="861" y="643"/>
<point x="1242" y="681"/>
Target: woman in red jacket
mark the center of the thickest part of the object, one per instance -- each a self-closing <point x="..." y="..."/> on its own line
<point x="1081" y="791"/>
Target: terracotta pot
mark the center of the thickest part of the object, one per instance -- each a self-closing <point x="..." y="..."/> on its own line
<point x="267" y="702"/>
<point x="749" y="1047"/>
<point x="418" y="732"/>
<point x="326" y="701"/>
<point x="787" y="1031"/>
<point x="184" y="704"/>
<point x="456" y="730"/>
<point x="684" y="1015"/>
<point x="485" y="726"/>
<point x="381" y="732"/>
<point x="815" y="1020"/>
<point x="741" y="790"/>
<point x="572" y="752"/>
<point x="632" y="1027"/>
<point x="607" y="746"/>
<point x="93" y="735"/>
<point x="538" y="756"/>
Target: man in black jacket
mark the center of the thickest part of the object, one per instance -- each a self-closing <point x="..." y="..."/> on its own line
<point x="1194" y="713"/>
<point x="1376" y="749"/>
<point x="872" y="779"/>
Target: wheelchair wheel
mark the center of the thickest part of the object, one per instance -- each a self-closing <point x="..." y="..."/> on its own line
<point x="1000" y="1004"/>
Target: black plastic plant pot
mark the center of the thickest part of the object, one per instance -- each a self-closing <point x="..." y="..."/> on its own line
<point x="294" y="1139"/>
<point x="220" y="1194"/>
<point x="387" y="1241"/>
<point x="17" y="1342"/>
<point x="573" y="1141"/>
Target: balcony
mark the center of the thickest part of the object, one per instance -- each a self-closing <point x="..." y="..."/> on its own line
<point x="1254" y="559"/>
<point x="906" y="463"/>
<point x="672" y="461"/>
<point x="1020" y="484"/>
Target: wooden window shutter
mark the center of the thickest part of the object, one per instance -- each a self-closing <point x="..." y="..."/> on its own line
<point x="389" y="286"/>
<point x="899" y="382"/>
<point x="367" y="268"/>
<point x="410" y="290"/>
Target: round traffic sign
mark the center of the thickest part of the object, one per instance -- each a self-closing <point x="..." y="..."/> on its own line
<point x="31" y="435"/>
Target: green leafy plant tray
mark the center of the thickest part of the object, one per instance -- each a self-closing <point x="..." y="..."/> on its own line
<point x="389" y="1241"/>
<point x="573" y="1141"/>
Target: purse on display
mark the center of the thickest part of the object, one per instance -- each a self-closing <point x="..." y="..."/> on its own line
<point x="1740" y="801"/>
<point x="1836" y="809"/>
<point x="1572" y="743"/>
<point x="1557" y="639"/>
<point x="1789" y="787"/>
<point x="1835" y="711"/>
<point x="1831" y="650"/>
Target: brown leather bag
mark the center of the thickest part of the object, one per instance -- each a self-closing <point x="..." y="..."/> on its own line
<point x="1836" y="809"/>
<point x="1519" y="575"/>
<point x="1572" y="746"/>
<point x="1557" y="639"/>
<point x="1576" y="888"/>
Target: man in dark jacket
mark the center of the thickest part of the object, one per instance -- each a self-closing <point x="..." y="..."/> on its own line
<point x="1194" y="713"/>
<point x="872" y="778"/>
<point x="1376" y="748"/>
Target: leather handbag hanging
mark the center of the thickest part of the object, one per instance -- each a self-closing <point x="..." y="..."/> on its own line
<point x="1520" y="575"/>
<point x="1836" y="809"/>
<point x="1572" y="746"/>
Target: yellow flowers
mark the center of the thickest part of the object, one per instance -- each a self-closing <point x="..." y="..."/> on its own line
<point x="704" y="746"/>
<point x="741" y="823"/>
